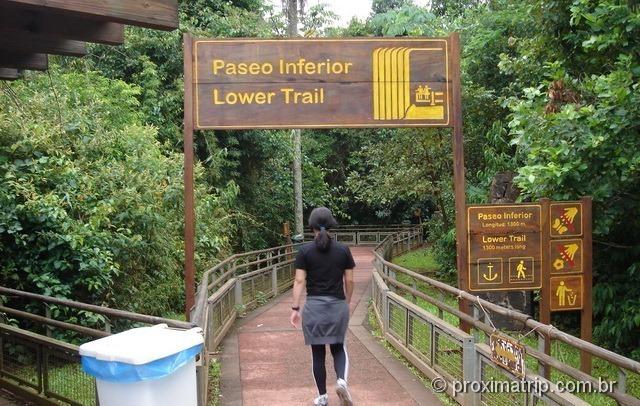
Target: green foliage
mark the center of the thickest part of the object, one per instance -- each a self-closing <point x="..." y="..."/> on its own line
<point x="421" y="260"/>
<point x="406" y="20"/>
<point x="407" y="168"/>
<point x="550" y="90"/>
<point x="317" y="21"/>
<point x="384" y="6"/>
<point x="90" y="203"/>
<point x="590" y="149"/>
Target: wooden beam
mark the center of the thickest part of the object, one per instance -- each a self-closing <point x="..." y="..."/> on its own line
<point x="9" y="74"/>
<point x="158" y="14"/>
<point x="35" y="43"/>
<point x="9" y="59"/>
<point x="61" y="26"/>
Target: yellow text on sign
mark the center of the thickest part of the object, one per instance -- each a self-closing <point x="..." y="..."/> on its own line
<point x="284" y="96"/>
<point x="299" y="67"/>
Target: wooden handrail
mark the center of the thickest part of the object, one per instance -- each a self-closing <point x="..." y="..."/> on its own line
<point x="107" y="311"/>
<point x="527" y="320"/>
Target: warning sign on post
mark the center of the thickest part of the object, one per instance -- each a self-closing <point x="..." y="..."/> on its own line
<point x="505" y="247"/>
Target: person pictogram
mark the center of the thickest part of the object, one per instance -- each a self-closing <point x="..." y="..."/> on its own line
<point x="522" y="270"/>
<point x="562" y="293"/>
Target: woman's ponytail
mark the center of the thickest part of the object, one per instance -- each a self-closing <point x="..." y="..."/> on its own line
<point x="323" y="240"/>
<point x="321" y="220"/>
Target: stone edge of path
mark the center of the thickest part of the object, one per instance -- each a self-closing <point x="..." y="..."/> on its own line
<point x="230" y="379"/>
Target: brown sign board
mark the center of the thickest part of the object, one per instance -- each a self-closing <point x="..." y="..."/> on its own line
<point x="322" y="83"/>
<point x="566" y="292"/>
<point x="566" y="220"/>
<point x="508" y="353"/>
<point x="505" y="247"/>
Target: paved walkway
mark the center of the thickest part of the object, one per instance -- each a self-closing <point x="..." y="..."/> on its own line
<point x="265" y="361"/>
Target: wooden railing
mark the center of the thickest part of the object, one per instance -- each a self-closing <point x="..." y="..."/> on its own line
<point x="365" y="234"/>
<point x="416" y="318"/>
<point x="46" y="370"/>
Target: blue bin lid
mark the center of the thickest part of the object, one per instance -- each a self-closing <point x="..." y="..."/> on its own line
<point x="141" y="353"/>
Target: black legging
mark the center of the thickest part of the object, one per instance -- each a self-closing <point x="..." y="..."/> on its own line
<point x="340" y="363"/>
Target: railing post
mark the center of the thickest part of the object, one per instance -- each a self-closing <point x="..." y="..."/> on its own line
<point x="385" y="312"/>
<point x="238" y="292"/>
<point x="202" y="378"/>
<point x="274" y="280"/>
<point x="414" y="298"/>
<point x="469" y="368"/>
<point x="621" y="386"/>
<point x="407" y="329"/>
<point x="476" y="317"/>
<point x="541" y="347"/>
<point x="47" y="314"/>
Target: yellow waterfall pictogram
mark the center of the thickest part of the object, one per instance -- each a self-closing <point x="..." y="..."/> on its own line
<point x="567" y="254"/>
<point x="392" y="93"/>
<point x="565" y="221"/>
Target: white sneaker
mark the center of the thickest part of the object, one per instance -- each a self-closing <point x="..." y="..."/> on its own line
<point x="322" y="400"/>
<point x="343" y="393"/>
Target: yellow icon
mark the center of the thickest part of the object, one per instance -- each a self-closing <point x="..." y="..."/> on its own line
<point x="521" y="270"/>
<point x="563" y="293"/>
<point x="392" y="88"/>
<point x="561" y="224"/>
<point x="567" y="254"/>
<point x="558" y="264"/>
<point x="490" y="277"/>
<point x="424" y="94"/>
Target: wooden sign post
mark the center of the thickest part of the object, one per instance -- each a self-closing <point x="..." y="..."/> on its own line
<point x="567" y="267"/>
<point x="321" y="83"/>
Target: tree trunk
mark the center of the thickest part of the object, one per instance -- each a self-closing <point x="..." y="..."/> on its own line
<point x="297" y="180"/>
<point x="292" y="31"/>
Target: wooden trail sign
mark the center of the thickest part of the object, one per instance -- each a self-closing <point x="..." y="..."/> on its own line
<point x="505" y="247"/>
<point x="322" y="83"/>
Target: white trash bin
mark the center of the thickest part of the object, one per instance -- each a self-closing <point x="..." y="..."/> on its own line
<point x="147" y="366"/>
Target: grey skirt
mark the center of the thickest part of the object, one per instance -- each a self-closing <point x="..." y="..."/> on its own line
<point x="324" y="320"/>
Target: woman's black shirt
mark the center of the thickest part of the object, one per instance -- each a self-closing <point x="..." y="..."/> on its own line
<point x="325" y="270"/>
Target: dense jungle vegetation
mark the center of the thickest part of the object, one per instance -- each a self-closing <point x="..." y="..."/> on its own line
<point x="91" y="152"/>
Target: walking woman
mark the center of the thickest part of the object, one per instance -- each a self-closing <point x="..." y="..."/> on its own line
<point x="325" y="267"/>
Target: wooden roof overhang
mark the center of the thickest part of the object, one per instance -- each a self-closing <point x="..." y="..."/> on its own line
<point x="30" y="30"/>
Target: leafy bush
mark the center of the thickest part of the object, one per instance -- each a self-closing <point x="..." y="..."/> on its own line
<point x="91" y="205"/>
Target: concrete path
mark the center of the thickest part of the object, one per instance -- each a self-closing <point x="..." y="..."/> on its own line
<point x="265" y="361"/>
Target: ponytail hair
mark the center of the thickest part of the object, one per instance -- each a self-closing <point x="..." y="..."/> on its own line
<point x="323" y="240"/>
<point x="322" y="220"/>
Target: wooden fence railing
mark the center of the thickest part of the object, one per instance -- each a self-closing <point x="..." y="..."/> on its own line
<point x="39" y="367"/>
<point x="419" y="316"/>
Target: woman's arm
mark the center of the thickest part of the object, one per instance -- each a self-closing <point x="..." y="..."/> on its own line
<point x="299" y="284"/>
<point x="348" y="284"/>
